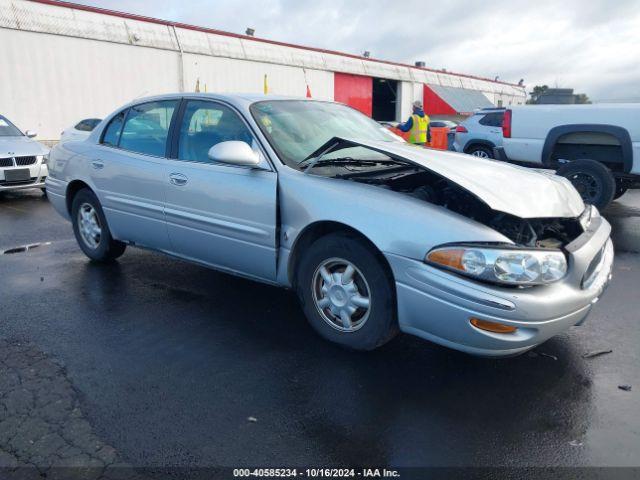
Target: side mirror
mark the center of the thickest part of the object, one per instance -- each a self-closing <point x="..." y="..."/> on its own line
<point x="234" y="152"/>
<point x="31" y="133"/>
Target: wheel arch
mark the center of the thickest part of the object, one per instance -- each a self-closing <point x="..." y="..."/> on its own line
<point x="619" y="133"/>
<point x="316" y="230"/>
<point x="72" y="189"/>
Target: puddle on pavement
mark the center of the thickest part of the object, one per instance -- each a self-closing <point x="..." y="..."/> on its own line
<point x="24" y="248"/>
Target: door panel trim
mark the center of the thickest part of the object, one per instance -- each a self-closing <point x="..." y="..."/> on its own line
<point x="238" y="227"/>
<point x="134" y="203"/>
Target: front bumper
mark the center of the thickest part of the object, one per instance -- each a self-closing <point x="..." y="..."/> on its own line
<point x="38" y="174"/>
<point x="437" y="305"/>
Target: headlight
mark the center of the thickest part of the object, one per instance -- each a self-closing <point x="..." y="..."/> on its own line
<point x="509" y="266"/>
<point x="590" y="212"/>
<point x="45" y="158"/>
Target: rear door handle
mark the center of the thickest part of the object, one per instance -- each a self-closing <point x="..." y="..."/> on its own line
<point x="178" y="179"/>
<point x="97" y="164"/>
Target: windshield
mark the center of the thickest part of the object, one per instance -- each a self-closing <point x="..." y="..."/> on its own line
<point x="8" y="129"/>
<point x="298" y="128"/>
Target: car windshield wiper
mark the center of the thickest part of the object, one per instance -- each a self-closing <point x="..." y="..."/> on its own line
<point x="335" y="144"/>
<point x="350" y="161"/>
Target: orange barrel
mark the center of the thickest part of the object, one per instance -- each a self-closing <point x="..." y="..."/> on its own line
<point x="439" y="138"/>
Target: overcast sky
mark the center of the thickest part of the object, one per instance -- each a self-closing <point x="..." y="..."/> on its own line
<point x="590" y="45"/>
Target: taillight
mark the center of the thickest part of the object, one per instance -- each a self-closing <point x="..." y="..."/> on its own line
<point x="506" y="124"/>
<point x="461" y="129"/>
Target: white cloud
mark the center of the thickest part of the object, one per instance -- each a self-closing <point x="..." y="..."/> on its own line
<point x="592" y="46"/>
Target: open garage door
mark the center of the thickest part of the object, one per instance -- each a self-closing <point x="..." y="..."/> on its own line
<point x="354" y="90"/>
<point x="375" y="97"/>
<point x="384" y="99"/>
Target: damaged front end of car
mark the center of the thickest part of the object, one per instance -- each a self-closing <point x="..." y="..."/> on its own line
<point x="536" y="255"/>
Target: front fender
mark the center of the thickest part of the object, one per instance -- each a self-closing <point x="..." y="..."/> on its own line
<point x="621" y="134"/>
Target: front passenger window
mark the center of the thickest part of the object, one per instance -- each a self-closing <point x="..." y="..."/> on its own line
<point x="206" y="124"/>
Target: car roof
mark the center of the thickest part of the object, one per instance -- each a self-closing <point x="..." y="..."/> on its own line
<point x="245" y="99"/>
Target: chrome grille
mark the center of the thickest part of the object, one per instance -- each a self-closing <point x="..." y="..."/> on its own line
<point x="23" y="161"/>
<point x="6" y="162"/>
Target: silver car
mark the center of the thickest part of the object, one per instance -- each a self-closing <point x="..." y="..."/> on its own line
<point x="22" y="159"/>
<point x="480" y="133"/>
<point x="375" y="235"/>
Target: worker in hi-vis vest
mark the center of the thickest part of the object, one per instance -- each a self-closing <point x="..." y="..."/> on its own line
<point x="417" y="125"/>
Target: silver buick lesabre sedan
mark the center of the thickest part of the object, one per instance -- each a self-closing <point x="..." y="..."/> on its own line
<point x="374" y="235"/>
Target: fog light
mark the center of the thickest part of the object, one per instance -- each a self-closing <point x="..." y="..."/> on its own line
<point x="491" y="326"/>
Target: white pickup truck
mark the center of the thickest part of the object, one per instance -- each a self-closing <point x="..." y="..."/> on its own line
<point x="597" y="147"/>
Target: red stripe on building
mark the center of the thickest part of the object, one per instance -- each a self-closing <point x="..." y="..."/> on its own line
<point x="434" y="105"/>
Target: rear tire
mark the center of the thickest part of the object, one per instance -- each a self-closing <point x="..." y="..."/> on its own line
<point x="91" y="229"/>
<point x="592" y="179"/>
<point x="368" y="293"/>
<point x="480" y="151"/>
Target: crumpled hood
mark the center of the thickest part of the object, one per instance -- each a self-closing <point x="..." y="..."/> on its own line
<point x="20" y="147"/>
<point x="519" y="191"/>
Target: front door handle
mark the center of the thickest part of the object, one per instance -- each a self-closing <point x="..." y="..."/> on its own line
<point x="97" y="164"/>
<point x="178" y="179"/>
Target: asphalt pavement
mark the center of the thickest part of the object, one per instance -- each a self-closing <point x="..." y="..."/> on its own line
<point x="171" y="364"/>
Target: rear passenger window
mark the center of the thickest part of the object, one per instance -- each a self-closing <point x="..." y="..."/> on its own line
<point x="112" y="132"/>
<point x="146" y="128"/>
<point x="492" y="119"/>
<point x="206" y="124"/>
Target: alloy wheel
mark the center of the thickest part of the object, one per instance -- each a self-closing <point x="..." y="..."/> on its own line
<point x="480" y="153"/>
<point x="341" y="294"/>
<point x="89" y="225"/>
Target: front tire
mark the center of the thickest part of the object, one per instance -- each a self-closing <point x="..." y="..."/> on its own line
<point x="593" y="181"/>
<point x="347" y="293"/>
<point x="91" y="230"/>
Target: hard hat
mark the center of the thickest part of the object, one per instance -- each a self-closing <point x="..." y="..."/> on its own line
<point x="417" y="104"/>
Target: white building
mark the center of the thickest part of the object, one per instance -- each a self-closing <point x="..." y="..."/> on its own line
<point x="60" y="62"/>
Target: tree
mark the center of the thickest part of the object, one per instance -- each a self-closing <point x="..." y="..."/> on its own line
<point x="582" y="98"/>
<point x="536" y="92"/>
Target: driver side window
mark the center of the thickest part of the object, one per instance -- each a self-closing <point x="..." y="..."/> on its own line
<point x="206" y="124"/>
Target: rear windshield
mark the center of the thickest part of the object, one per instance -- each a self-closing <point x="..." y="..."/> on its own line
<point x="493" y="119"/>
<point x="8" y="129"/>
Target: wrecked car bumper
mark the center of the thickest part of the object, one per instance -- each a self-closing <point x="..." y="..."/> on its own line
<point x="437" y="305"/>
